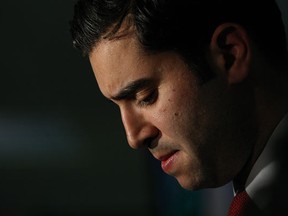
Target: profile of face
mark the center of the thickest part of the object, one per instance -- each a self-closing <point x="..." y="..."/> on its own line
<point x="196" y="130"/>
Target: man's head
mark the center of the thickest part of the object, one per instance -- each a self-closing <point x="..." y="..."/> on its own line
<point x="181" y="73"/>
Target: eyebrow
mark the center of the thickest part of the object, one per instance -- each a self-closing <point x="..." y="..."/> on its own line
<point x="130" y="90"/>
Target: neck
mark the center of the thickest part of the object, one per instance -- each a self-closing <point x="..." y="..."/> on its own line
<point x="271" y="106"/>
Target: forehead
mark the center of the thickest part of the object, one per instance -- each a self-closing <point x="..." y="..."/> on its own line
<point x="117" y="62"/>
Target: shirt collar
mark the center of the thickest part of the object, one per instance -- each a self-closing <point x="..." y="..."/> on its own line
<point x="266" y="171"/>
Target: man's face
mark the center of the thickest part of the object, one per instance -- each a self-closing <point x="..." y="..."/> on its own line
<point x="196" y="131"/>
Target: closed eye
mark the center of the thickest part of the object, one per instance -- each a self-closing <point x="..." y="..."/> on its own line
<point x="147" y="97"/>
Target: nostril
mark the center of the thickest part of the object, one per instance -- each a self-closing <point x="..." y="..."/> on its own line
<point x="149" y="143"/>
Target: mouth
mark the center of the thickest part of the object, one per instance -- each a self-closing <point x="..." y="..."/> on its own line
<point x="168" y="160"/>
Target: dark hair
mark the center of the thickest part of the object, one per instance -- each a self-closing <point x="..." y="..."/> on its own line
<point x="183" y="26"/>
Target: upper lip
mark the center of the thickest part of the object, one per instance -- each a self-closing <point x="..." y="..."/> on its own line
<point x="165" y="156"/>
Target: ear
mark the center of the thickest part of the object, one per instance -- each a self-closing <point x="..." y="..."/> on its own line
<point x="231" y="51"/>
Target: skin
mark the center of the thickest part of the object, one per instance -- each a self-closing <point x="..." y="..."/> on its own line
<point x="203" y="134"/>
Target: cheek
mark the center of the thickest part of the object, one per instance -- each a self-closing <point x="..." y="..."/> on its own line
<point x="175" y="114"/>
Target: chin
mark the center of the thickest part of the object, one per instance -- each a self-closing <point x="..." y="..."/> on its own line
<point x="189" y="184"/>
<point x="194" y="183"/>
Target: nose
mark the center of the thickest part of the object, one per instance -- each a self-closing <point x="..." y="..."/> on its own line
<point x="139" y="131"/>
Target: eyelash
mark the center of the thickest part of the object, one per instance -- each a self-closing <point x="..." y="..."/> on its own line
<point x="149" y="99"/>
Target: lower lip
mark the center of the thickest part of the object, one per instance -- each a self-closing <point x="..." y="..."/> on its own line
<point x="167" y="164"/>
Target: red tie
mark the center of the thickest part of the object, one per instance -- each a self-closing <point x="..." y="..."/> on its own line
<point x="243" y="205"/>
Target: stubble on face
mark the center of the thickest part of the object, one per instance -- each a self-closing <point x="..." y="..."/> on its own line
<point x="197" y="120"/>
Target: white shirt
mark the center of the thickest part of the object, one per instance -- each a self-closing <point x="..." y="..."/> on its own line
<point x="267" y="179"/>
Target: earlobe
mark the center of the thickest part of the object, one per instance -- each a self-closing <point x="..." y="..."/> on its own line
<point x="230" y="49"/>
